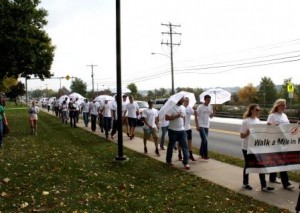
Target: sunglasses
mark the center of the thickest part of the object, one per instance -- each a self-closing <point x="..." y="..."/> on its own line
<point x="257" y="110"/>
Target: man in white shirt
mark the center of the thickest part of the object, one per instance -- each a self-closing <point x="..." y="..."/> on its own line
<point x="124" y="117"/>
<point x="187" y="126"/>
<point x="106" y="112"/>
<point x="204" y="113"/>
<point x="150" y="117"/>
<point x="85" y="108"/>
<point x="94" y="111"/>
<point x="177" y="132"/>
<point x="133" y="111"/>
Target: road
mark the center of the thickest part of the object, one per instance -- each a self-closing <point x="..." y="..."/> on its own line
<point x="224" y="136"/>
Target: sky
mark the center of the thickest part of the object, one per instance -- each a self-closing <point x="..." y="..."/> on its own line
<point x="223" y="43"/>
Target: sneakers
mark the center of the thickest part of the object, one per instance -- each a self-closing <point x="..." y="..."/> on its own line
<point x="170" y="163"/>
<point x="162" y="148"/>
<point x="187" y="167"/>
<point x="145" y="150"/>
<point x="157" y="152"/>
<point x="128" y="135"/>
<point x="289" y="187"/>
<point x="247" y="186"/>
<point x="275" y="181"/>
<point x="192" y="158"/>
<point x="267" y="189"/>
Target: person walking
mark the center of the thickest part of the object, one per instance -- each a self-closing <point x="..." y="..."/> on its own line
<point x="106" y="112"/>
<point x="250" y="118"/>
<point x="204" y="112"/>
<point x="85" y="108"/>
<point x="277" y="117"/>
<point x="177" y="132"/>
<point x="114" y="117"/>
<point x="150" y="118"/>
<point x="64" y="112"/>
<point x="94" y="111"/>
<point x="72" y="112"/>
<point x="125" y="115"/>
<point x="133" y="111"/>
<point x="3" y="121"/>
<point x="33" y="117"/>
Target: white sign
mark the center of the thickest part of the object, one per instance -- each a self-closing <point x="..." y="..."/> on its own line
<point x="273" y="148"/>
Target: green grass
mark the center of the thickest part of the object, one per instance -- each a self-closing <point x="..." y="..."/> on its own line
<point x="78" y="170"/>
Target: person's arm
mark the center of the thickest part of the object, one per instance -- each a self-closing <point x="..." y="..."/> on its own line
<point x="172" y="117"/>
<point x="245" y="134"/>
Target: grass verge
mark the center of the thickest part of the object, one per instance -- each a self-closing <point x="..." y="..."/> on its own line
<point x="63" y="169"/>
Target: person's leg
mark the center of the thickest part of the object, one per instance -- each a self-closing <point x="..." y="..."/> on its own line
<point x="155" y="138"/>
<point x="172" y="140"/>
<point x="272" y="177"/>
<point x="203" y="142"/>
<point x="146" y="136"/>
<point x="182" y="140"/>
<point x="245" y="175"/>
<point x="1" y="134"/>
<point x="35" y="126"/>
<point x="162" y="137"/>
<point x="31" y="126"/>
<point x="285" y="179"/>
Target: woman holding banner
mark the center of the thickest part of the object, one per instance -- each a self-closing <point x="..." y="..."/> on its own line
<point x="276" y="117"/>
<point x="251" y="117"/>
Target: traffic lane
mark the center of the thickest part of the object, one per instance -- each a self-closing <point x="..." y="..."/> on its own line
<point x="225" y="126"/>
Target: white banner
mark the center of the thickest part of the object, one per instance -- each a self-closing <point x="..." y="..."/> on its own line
<point x="273" y="148"/>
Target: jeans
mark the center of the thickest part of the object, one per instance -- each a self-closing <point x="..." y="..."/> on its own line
<point x="114" y="128"/>
<point x="85" y="116"/>
<point x="203" y="147"/>
<point x="1" y="133"/>
<point x="181" y="137"/>
<point x="262" y="177"/>
<point x="106" y="124"/>
<point x="164" y="130"/>
<point x="72" y="115"/>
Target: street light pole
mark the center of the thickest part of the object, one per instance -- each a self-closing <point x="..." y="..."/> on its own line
<point x="172" y="68"/>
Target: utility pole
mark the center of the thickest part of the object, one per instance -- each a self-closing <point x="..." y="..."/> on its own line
<point x="92" y="66"/>
<point x="171" y="44"/>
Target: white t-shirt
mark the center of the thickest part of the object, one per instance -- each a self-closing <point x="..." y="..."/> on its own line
<point x="246" y="124"/>
<point x="203" y="115"/>
<point x="33" y="111"/>
<point x="106" y="110"/>
<point x="150" y="115"/>
<point x="164" y="122"/>
<point x="178" y="123"/>
<point x="278" y="118"/>
<point x="114" y="108"/>
<point x="131" y="109"/>
<point x="85" y="106"/>
<point x="189" y="112"/>
<point x="124" y="103"/>
<point x="94" y="106"/>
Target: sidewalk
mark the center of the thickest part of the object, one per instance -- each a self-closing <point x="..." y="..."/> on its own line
<point x="223" y="174"/>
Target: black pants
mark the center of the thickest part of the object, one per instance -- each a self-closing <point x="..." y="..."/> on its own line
<point x="284" y="178"/>
<point x="72" y="118"/>
<point x="262" y="177"/>
<point x="93" y="122"/>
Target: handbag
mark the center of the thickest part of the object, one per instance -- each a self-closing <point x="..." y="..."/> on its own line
<point x="5" y="127"/>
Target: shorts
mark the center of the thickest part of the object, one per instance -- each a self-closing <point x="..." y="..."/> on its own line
<point x="149" y="132"/>
<point x="132" y="122"/>
<point x="189" y="134"/>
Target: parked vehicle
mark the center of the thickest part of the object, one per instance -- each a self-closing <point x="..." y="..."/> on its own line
<point x="142" y="105"/>
<point x="158" y="103"/>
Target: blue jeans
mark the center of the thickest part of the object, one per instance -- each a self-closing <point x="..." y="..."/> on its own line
<point x="203" y="147"/>
<point x="106" y="124"/>
<point x="181" y="137"/>
<point x="164" y="130"/>
<point x="1" y="133"/>
<point x="85" y="116"/>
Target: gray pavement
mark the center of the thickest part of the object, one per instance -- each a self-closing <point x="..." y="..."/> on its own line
<point x="220" y="173"/>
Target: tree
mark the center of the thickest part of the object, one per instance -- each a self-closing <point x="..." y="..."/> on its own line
<point x="16" y="90"/>
<point x="248" y="94"/>
<point x="25" y="47"/>
<point x="78" y="86"/>
<point x="267" y="92"/>
<point x="133" y="88"/>
<point x="7" y="83"/>
<point x="283" y="93"/>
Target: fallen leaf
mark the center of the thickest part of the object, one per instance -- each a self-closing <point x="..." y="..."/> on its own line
<point x="45" y="193"/>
